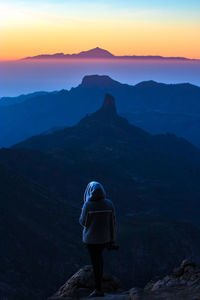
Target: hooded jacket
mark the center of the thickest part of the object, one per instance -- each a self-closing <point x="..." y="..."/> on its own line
<point x="97" y="216"/>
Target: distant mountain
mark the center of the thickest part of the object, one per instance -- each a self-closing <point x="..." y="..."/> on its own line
<point x="153" y="106"/>
<point x="99" y="53"/>
<point x="92" y="53"/>
<point x="152" y="179"/>
<point x="4" y="101"/>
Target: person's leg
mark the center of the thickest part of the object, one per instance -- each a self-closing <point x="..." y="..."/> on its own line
<point x="101" y="263"/>
<point x="99" y="251"/>
<point x="95" y="251"/>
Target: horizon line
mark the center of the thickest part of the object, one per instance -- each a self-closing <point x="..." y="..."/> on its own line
<point x="132" y="56"/>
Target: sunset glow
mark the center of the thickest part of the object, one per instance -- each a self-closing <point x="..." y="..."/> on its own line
<point x="29" y="28"/>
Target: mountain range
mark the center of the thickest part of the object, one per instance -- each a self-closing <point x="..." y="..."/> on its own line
<point x="105" y="143"/>
<point x="153" y="106"/>
<point x="99" y="53"/>
<point x="152" y="179"/>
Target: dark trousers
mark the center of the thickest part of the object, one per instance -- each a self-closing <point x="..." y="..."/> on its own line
<point x="96" y="256"/>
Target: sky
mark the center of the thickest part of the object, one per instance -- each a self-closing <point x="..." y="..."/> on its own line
<point x="123" y="27"/>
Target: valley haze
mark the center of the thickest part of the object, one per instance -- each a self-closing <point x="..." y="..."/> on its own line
<point x="55" y="72"/>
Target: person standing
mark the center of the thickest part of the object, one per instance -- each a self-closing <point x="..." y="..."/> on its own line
<point x="99" y="229"/>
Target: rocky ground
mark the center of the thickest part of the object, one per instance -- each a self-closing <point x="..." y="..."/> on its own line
<point x="81" y="284"/>
<point x="182" y="284"/>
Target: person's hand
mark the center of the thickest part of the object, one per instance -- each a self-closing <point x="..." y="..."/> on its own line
<point x="109" y="244"/>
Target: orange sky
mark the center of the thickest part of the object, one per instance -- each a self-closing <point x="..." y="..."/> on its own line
<point x="28" y="30"/>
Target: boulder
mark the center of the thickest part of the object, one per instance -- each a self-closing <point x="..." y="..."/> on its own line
<point x="183" y="283"/>
<point x="187" y="274"/>
<point x="135" y="294"/>
<point x="82" y="283"/>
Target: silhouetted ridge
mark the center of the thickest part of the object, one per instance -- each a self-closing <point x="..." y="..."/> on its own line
<point x="98" y="81"/>
<point x="149" y="83"/>
<point x="108" y="125"/>
<point x="105" y="114"/>
<point x="102" y="53"/>
<point x="103" y="127"/>
<point x="96" y="53"/>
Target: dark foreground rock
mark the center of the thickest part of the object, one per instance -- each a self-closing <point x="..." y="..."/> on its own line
<point x="182" y="284"/>
<point x="81" y="284"/>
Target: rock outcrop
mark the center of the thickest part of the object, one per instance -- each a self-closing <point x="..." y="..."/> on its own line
<point x="81" y="285"/>
<point x="182" y="284"/>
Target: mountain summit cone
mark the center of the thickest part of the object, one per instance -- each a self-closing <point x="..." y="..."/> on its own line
<point x="106" y="117"/>
<point x="106" y="114"/>
<point x="103" y="127"/>
<point x="108" y="106"/>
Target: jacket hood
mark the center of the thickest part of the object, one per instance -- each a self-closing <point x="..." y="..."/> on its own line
<point x="94" y="191"/>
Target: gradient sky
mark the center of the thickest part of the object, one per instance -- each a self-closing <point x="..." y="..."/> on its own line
<point x="145" y="27"/>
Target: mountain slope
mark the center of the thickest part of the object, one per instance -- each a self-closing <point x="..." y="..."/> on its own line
<point x="105" y="127"/>
<point x="103" y="145"/>
<point x="148" y="178"/>
<point x="176" y="106"/>
<point x="4" y="101"/>
<point x="38" y="251"/>
<point x="34" y="231"/>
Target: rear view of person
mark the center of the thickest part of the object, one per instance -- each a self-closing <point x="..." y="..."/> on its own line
<point x="98" y="219"/>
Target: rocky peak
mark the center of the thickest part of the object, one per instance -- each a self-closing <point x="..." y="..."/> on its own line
<point x="109" y="104"/>
<point x="108" y="122"/>
<point x="107" y="114"/>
